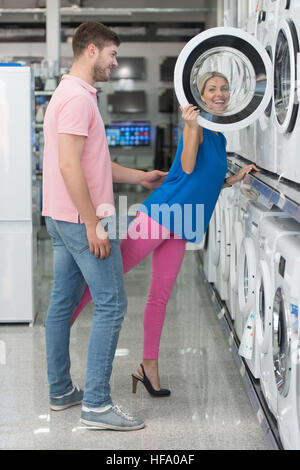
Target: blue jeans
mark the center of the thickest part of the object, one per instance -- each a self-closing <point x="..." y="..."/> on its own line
<point x="73" y="267"/>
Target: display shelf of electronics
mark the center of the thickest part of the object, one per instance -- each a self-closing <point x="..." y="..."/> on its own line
<point x="266" y="420"/>
<point x="271" y="189"/>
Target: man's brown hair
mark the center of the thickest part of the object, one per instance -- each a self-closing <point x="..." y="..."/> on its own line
<point x="92" y="32"/>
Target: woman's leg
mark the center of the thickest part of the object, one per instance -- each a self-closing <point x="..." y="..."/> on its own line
<point x="143" y="236"/>
<point x="166" y="262"/>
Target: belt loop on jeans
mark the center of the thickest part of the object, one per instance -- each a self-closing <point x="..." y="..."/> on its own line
<point x="79" y="219"/>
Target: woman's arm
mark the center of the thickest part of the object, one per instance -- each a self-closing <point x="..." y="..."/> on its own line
<point x="237" y="177"/>
<point x="192" y="138"/>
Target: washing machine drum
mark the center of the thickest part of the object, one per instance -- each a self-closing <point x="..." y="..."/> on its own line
<point x="242" y="72"/>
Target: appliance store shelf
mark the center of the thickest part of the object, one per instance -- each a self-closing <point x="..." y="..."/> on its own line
<point x="272" y="189"/>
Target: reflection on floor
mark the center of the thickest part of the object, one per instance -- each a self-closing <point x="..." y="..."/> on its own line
<point x="208" y="407"/>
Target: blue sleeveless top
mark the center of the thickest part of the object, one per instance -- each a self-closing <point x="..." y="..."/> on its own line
<point x="184" y="203"/>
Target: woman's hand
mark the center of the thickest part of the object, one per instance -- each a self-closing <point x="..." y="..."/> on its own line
<point x="240" y="174"/>
<point x="189" y="115"/>
<point x="192" y="138"/>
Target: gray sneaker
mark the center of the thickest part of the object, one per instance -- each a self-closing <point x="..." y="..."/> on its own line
<point x="74" y="397"/>
<point x="113" y="418"/>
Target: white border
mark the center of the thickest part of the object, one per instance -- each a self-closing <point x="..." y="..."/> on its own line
<point x="192" y="44"/>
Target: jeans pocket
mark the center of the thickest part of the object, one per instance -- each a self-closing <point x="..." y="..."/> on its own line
<point x="74" y="236"/>
<point x="49" y="226"/>
<point x="51" y="229"/>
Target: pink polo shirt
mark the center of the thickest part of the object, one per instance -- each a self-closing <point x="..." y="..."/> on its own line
<point x="73" y="110"/>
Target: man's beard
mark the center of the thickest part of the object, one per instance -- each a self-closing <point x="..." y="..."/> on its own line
<point x="100" y="74"/>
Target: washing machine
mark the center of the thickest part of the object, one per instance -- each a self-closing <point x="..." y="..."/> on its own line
<point x="208" y="253"/>
<point x="211" y="249"/>
<point x="217" y="228"/>
<point x="222" y="241"/>
<point x="214" y="261"/>
<point x="245" y="196"/>
<point x="286" y="93"/>
<point x="236" y="236"/>
<point x="270" y="231"/>
<point x="233" y="143"/>
<point x="285" y="336"/>
<point x="248" y="269"/>
<point x="247" y="148"/>
<point x="247" y="138"/>
<point x="265" y="135"/>
<point x="228" y="202"/>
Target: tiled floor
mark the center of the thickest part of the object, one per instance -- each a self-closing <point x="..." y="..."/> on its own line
<point x="208" y="407"/>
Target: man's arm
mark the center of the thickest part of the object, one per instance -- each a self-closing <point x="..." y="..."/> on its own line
<point x="121" y="174"/>
<point x="70" y="151"/>
<point x="149" y="180"/>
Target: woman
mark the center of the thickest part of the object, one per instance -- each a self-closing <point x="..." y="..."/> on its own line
<point x="195" y="179"/>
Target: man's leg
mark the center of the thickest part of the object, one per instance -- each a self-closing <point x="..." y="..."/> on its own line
<point x="105" y="280"/>
<point x="68" y="285"/>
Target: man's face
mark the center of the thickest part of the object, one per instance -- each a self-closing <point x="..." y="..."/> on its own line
<point x="105" y="61"/>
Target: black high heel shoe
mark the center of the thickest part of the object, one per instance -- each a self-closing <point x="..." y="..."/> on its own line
<point x="163" y="392"/>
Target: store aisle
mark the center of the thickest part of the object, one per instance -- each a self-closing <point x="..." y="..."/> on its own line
<point x="208" y="407"/>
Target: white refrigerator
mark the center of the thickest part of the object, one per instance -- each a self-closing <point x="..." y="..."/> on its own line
<point x="18" y="252"/>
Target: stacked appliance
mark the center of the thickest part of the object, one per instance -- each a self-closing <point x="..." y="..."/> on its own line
<point x="247" y="135"/>
<point x="228" y="201"/>
<point x="222" y="230"/>
<point x="208" y="252"/>
<point x="285" y="337"/>
<point x="17" y="231"/>
<point x="248" y="270"/>
<point x="246" y="195"/>
<point x="272" y="229"/>
<point x="235" y="241"/>
<point x="287" y="90"/>
<point x="265" y="134"/>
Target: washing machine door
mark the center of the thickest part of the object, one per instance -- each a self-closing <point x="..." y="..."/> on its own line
<point x="263" y="307"/>
<point x="245" y="84"/>
<point x="281" y="335"/>
<point x="246" y="276"/>
<point x="285" y="101"/>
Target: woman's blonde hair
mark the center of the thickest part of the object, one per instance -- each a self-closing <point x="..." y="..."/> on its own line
<point x="207" y="76"/>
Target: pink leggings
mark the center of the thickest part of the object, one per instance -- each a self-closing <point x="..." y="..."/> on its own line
<point x="143" y="237"/>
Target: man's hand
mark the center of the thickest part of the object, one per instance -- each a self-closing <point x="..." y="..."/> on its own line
<point x="152" y="179"/>
<point x="98" y="240"/>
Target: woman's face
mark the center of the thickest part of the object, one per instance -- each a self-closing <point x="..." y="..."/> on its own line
<point x="216" y="94"/>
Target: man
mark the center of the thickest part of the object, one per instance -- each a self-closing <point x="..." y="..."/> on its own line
<point x="77" y="192"/>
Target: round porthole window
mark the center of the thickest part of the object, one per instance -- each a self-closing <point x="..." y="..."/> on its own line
<point x="227" y="74"/>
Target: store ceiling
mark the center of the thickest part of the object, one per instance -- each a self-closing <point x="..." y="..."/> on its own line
<point x="108" y="11"/>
